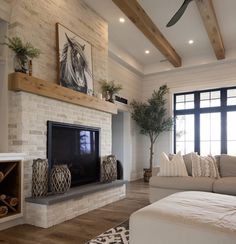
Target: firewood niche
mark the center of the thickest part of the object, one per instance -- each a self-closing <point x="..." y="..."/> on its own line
<point x="10" y="187"/>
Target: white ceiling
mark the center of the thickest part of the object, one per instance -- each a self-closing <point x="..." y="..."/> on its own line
<point x="190" y="26"/>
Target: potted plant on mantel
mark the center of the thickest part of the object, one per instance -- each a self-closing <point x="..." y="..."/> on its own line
<point x="23" y="52"/>
<point x="153" y="120"/>
<point x="109" y="89"/>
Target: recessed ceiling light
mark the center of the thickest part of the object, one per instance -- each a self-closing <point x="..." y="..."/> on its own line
<point x="147" y="51"/>
<point x="122" y="20"/>
<point x="190" y="42"/>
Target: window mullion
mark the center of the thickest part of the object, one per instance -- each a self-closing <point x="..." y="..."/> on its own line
<point x="197" y="122"/>
<point x="224" y="121"/>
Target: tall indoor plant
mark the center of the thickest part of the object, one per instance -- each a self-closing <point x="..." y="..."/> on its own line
<point x="153" y="119"/>
<point x="23" y="52"/>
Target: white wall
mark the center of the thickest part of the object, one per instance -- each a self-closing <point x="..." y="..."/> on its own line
<point x="220" y="74"/>
<point x="125" y="133"/>
<point x="3" y="90"/>
<point x="131" y="82"/>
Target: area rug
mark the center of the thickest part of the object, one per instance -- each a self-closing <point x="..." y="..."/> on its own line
<point x="116" y="235"/>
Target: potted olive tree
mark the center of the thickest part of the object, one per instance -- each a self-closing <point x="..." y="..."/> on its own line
<point x="109" y="89"/>
<point x="152" y="118"/>
<point x="23" y="52"/>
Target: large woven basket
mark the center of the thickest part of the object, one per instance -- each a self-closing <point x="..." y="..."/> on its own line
<point x="40" y="177"/>
<point x="60" y="179"/>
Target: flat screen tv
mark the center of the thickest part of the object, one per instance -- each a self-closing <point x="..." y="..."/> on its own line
<point x="76" y="146"/>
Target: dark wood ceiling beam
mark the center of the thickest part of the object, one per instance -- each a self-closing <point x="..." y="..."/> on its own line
<point x="208" y="15"/>
<point x="133" y="10"/>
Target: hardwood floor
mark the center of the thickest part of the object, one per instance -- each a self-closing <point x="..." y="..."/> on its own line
<point x="84" y="227"/>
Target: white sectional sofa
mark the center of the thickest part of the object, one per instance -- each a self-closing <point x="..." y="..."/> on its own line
<point x="161" y="187"/>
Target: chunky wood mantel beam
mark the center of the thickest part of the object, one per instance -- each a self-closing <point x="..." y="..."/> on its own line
<point x="208" y="15"/>
<point x="133" y="10"/>
<point x="23" y="82"/>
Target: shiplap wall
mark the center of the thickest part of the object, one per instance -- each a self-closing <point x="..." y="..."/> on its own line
<point x="220" y="74"/>
<point x="131" y="82"/>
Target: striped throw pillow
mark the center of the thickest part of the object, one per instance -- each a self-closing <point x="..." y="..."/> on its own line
<point x="173" y="167"/>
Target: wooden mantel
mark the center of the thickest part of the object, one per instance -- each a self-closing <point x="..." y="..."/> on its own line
<point x="26" y="83"/>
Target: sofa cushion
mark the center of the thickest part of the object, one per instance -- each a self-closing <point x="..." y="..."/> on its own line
<point x="182" y="183"/>
<point x="226" y="185"/>
<point x="187" y="160"/>
<point x="227" y="165"/>
<point x="173" y="167"/>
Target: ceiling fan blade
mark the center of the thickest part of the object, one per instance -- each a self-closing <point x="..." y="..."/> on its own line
<point x="179" y="13"/>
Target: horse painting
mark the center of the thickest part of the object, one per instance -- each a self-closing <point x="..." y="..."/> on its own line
<point x="74" y="67"/>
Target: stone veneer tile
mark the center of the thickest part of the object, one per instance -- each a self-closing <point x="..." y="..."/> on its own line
<point x="29" y="133"/>
<point x="48" y="215"/>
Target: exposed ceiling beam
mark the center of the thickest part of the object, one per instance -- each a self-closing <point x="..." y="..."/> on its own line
<point x="208" y="15"/>
<point x="133" y="10"/>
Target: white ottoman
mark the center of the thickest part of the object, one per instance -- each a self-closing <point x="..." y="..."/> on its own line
<point x="186" y="218"/>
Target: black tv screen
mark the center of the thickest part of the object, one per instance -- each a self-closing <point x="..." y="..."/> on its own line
<point x="76" y="146"/>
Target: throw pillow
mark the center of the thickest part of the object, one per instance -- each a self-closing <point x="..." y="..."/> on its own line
<point x="204" y="166"/>
<point x="173" y="167"/>
<point x="187" y="160"/>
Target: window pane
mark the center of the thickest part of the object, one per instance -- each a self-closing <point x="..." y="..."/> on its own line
<point x="215" y="103"/>
<point x="185" y="101"/>
<point x="204" y="96"/>
<point x="179" y="106"/>
<point x="189" y="97"/>
<point x="215" y="148"/>
<point x="231" y="93"/>
<point x="205" y="127"/>
<point x="210" y="133"/>
<point x="231" y="148"/>
<point x="210" y="99"/>
<point x="189" y="105"/>
<point x="215" y="94"/>
<point x="180" y="147"/>
<point x="231" y="101"/>
<point x="231" y="131"/>
<point x="205" y="148"/>
<point x="189" y="147"/>
<point x="185" y="133"/>
<point x="180" y="98"/>
<point x="205" y="104"/>
<point x="215" y="125"/>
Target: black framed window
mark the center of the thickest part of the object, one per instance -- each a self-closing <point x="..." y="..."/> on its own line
<point x="205" y="121"/>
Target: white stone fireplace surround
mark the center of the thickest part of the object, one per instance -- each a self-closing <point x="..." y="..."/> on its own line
<point x="28" y="116"/>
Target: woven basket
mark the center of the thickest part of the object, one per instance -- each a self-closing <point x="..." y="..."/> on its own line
<point x="60" y="179"/>
<point x="40" y="178"/>
<point x="109" y="169"/>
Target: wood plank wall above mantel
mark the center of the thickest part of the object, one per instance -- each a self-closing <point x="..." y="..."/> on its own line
<point x="26" y="83"/>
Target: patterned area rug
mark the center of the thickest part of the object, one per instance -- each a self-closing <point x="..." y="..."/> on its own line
<point x="116" y="235"/>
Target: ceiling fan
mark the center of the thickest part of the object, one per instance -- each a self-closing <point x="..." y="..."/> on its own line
<point x="179" y="13"/>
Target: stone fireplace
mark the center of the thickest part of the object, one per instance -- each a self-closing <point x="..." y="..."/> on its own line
<point x="28" y="129"/>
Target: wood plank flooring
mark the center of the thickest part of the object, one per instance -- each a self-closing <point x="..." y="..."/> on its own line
<point x="84" y="227"/>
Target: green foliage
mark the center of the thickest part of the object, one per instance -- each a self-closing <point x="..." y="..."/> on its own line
<point x="152" y="116"/>
<point x="110" y="87"/>
<point x="21" y="49"/>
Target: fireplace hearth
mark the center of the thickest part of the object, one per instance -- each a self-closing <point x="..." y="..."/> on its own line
<point x="78" y="147"/>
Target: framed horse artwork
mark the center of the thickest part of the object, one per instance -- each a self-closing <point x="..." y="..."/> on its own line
<point x="75" y="61"/>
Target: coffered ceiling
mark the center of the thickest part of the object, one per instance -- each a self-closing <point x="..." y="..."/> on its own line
<point x="190" y="27"/>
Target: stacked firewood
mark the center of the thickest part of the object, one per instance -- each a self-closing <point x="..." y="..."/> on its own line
<point x="9" y="204"/>
<point x="1" y="176"/>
